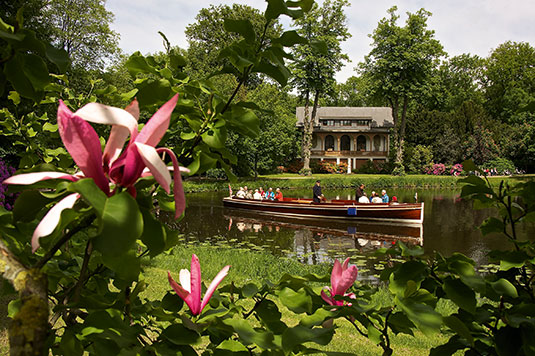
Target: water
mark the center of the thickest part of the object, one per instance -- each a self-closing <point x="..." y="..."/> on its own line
<point x="450" y="225"/>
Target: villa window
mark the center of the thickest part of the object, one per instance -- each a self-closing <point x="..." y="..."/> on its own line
<point x="361" y="143"/>
<point x="345" y="143"/>
<point x="345" y="122"/>
<point x="329" y="143"/>
<point x="328" y="122"/>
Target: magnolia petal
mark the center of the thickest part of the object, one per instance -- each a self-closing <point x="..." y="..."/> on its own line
<point x="155" y="164"/>
<point x="178" y="190"/>
<point x="195" y="284"/>
<point x="185" y="279"/>
<point x="133" y="109"/>
<point x="153" y="131"/>
<point x="31" y="178"/>
<point x="124" y="123"/>
<point x="346" y="280"/>
<point x="213" y="286"/>
<point x="329" y="300"/>
<point x="132" y="166"/>
<point x="51" y="219"/>
<point x="83" y="145"/>
<point x="181" y="292"/>
<point x="336" y="274"/>
<point x="146" y="172"/>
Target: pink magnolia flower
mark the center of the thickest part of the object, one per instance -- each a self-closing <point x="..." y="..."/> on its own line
<point x="114" y="167"/>
<point x="190" y="285"/>
<point x="342" y="277"/>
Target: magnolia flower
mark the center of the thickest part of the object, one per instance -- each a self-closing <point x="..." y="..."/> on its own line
<point x="190" y="288"/>
<point x="114" y="167"/>
<point x="342" y="277"/>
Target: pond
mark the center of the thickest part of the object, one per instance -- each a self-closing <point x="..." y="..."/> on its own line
<point x="450" y="225"/>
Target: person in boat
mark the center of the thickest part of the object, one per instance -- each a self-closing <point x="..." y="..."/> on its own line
<point x="278" y="195"/>
<point x="257" y="195"/>
<point x="384" y="196"/>
<point x="270" y="195"/>
<point x="364" y="199"/>
<point x="317" y="196"/>
<point x="394" y="200"/>
<point x="262" y="193"/>
<point x="248" y="193"/>
<point x="376" y="198"/>
<point x="240" y="193"/>
<point x="360" y="192"/>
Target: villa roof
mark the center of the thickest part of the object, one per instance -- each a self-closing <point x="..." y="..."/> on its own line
<point x="380" y="116"/>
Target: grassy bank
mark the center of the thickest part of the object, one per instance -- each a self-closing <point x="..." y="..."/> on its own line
<point x="258" y="266"/>
<point x="334" y="181"/>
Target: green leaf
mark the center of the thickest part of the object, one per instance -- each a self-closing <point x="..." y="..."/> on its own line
<point x="172" y="302"/>
<point x="411" y="270"/>
<point x="290" y="38"/>
<point x="28" y="205"/>
<point x="250" y="335"/>
<point x="154" y="92"/>
<point x="450" y="348"/>
<point x="269" y="313"/>
<point x="215" y="138"/>
<point x="127" y="266"/>
<point x="13" y="307"/>
<point x="504" y="287"/>
<point x="91" y="193"/>
<point x="230" y="348"/>
<point x="154" y="234"/>
<point x="399" y="323"/>
<point x="14" y="97"/>
<point x="422" y="315"/>
<point x="460" y="294"/>
<point x="459" y="327"/>
<point x="58" y="56"/>
<point x="243" y="120"/>
<point x="137" y="63"/>
<point x="122" y="225"/>
<point x="179" y="335"/>
<point x="491" y="225"/>
<point x="249" y="290"/>
<point x="299" y="334"/>
<point x="316" y="319"/>
<point x="298" y="302"/>
<point x="242" y="27"/>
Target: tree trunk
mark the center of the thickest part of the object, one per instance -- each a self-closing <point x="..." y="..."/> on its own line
<point x="29" y="328"/>
<point x="307" y="135"/>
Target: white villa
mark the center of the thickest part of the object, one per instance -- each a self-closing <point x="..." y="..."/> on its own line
<point x="350" y="134"/>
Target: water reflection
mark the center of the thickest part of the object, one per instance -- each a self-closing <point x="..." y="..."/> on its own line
<point x="450" y="225"/>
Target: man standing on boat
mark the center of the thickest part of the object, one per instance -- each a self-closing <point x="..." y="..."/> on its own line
<point x="317" y="196"/>
<point x="360" y="192"/>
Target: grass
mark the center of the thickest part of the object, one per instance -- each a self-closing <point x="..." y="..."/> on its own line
<point x="372" y="181"/>
<point x="256" y="266"/>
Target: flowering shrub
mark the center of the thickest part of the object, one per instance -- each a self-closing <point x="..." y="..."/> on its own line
<point x="6" y="171"/>
<point x="281" y="169"/>
<point x="295" y="166"/>
<point x="327" y="167"/>
<point x="456" y="169"/>
<point x="436" y="169"/>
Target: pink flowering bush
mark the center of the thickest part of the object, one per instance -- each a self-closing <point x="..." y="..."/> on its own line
<point x="456" y="169"/>
<point x="436" y="169"/>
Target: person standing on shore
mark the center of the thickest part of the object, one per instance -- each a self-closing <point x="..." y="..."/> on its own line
<point x="317" y="196"/>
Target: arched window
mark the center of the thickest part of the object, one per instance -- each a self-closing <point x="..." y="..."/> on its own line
<point x="361" y="143"/>
<point x="345" y="143"/>
<point x="329" y="143"/>
<point x="377" y="143"/>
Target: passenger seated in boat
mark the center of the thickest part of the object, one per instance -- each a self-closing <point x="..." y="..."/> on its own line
<point x="262" y="193"/>
<point x="278" y="195"/>
<point x="394" y="200"/>
<point x="360" y="192"/>
<point x="364" y="199"/>
<point x="240" y="193"/>
<point x="248" y="193"/>
<point x="376" y="198"/>
<point x="270" y="195"/>
<point x="257" y="195"/>
<point x="384" y="196"/>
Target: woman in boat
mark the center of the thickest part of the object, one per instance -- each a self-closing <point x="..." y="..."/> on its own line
<point x="270" y="195"/>
<point x="257" y="195"/>
<point x="278" y="195"/>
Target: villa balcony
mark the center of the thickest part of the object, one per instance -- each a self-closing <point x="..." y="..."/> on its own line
<point x="348" y="154"/>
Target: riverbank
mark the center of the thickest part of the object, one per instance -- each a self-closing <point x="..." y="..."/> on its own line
<point x="333" y="181"/>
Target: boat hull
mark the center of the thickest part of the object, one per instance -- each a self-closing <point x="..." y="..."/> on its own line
<point x="336" y="209"/>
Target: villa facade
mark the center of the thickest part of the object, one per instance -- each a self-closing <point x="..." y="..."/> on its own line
<point x="354" y="135"/>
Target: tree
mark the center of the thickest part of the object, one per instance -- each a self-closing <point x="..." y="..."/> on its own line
<point x="510" y="80"/>
<point x="82" y="28"/>
<point x="207" y="36"/>
<point x="400" y="64"/>
<point x="315" y="66"/>
<point x="356" y="91"/>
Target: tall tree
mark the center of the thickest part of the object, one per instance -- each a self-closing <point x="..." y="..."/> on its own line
<point x="510" y="81"/>
<point x="207" y="36"/>
<point x="82" y="28"/>
<point x="401" y="63"/>
<point x="314" y="67"/>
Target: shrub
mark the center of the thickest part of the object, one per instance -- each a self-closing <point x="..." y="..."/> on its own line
<point x="437" y="169"/>
<point x="295" y="166"/>
<point x="456" y="169"/>
<point x="501" y="166"/>
<point x="281" y="169"/>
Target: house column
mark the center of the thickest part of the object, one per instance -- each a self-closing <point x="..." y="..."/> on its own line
<point x="338" y="143"/>
<point x="349" y="166"/>
<point x="338" y="160"/>
<point x="354" y="143"/>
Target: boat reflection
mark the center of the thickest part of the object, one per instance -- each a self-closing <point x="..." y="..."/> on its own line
<point x="317" y="239"/>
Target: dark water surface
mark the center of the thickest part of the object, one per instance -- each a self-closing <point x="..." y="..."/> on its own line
<point x="450" y="225"/>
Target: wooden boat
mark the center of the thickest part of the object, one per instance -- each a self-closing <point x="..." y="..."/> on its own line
<point x="405" y="213"/>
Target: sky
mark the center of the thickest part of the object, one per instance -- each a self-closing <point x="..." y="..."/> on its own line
<point x="461" y="26"/>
